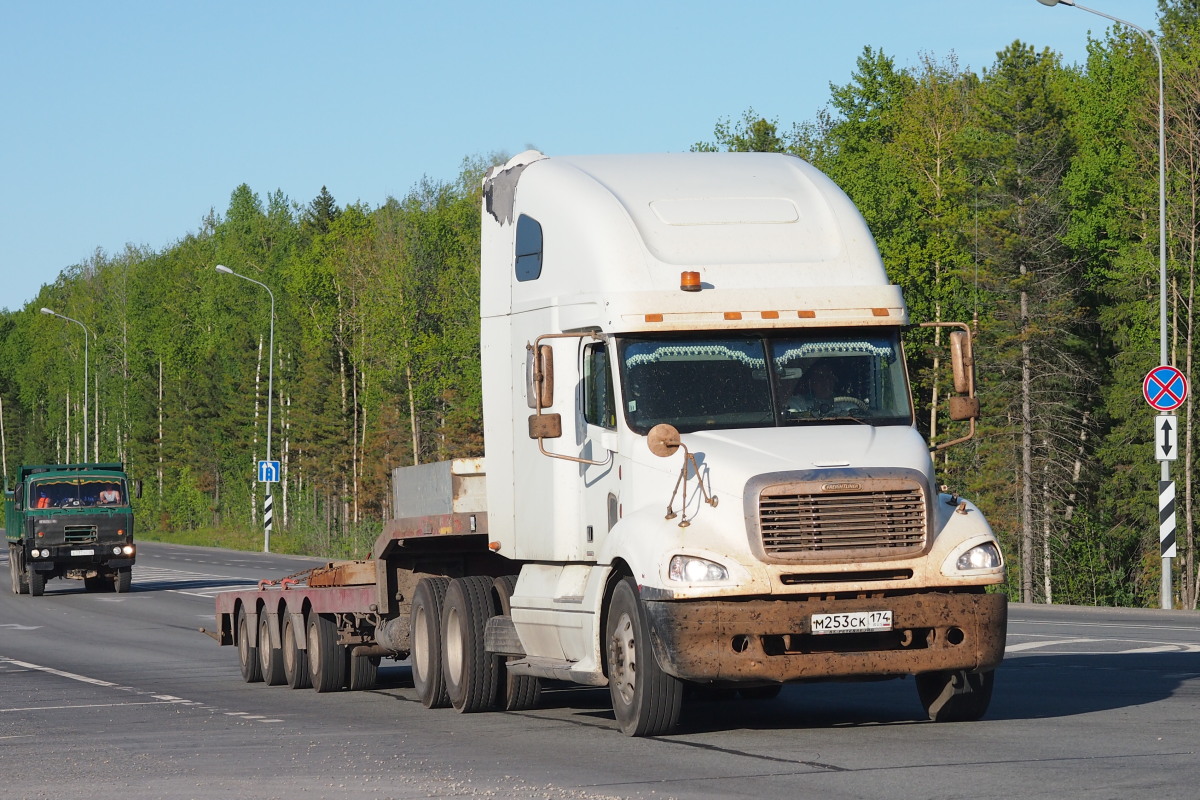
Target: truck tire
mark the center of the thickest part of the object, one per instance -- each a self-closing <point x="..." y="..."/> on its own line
<point x="361" y="671"/>
<point x="123" y="580"/>
<point x="646" y="701"/>
<point x="326" y="658"/>
<point x="97" y="583"/>
<point x="425" y="634"/>
<point x="270" y="659"/>
<point x="955" y="695"/>
<point x="469" y="669"/>
<point x="16" y="566"/>
<point x="513" y="692"/>
<point x="295" y="660"/>
<point x="37" y="582"/>
<point x="247" y="650"/>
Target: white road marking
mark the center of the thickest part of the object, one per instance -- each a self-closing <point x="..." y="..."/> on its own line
<point x="1014" y="648"/>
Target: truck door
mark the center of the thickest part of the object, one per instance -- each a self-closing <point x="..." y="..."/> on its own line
<point x="601" y="482"/>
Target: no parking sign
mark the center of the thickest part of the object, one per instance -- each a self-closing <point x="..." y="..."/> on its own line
<point x="1165" y="388"/>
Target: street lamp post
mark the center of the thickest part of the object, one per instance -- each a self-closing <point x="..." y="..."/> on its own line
<point x="267" y="501"/>
<point x="1162" y="235"/>
<point x="86" y="336"/>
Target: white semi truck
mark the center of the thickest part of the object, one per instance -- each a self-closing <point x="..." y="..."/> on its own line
<point x="701" y="466"/>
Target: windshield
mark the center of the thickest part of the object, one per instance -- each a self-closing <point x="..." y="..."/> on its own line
<point x="702" y="382"/>
<point x="74" y="492"/>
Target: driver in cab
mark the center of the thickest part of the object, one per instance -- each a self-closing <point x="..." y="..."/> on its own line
<point x="820" y="393"/>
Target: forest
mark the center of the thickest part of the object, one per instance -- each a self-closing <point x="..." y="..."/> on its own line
<point x="1024" y="198"/>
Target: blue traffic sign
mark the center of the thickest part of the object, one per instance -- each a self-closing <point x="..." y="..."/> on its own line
<point x="1165" y="388"/>
<point x="268" y="472"/>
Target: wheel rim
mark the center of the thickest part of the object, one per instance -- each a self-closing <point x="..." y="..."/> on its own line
<point x="243" y="641"/>
<point x="289" y="654"/>
<point x="622" y="658"/>
<point x="454" y="645"/>
<point x="314" y="650"/>
<point x="420" y="654"/>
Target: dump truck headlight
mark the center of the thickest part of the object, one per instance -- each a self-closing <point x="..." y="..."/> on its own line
<point x="690" y="569"/>
<point x="983" y="556"/>
<point x="127" y="549"/>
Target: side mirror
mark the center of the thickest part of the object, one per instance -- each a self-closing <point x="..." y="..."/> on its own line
<point x="663" y="440"/>
<point x="540" y="376"/>
<point x="963" y="361"/>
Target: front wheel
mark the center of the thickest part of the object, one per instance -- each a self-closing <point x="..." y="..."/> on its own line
<point x="37" y="582"/>
<point x="955" y="695"/>
<point x="646" y="701"/>
<point x="16" y="570"/>
<point x="123" y="579"/>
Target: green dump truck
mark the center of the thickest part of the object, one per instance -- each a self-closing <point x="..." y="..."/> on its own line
<point x="70" y="521"/>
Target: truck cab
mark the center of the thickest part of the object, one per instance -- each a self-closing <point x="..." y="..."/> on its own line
<point x="70" y="521"/>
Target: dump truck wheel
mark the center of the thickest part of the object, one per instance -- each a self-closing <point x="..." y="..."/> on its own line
<point x="97" y="583"/>
<point x="247" y="652"/>
<point x="295" y="660"/>
<point x="513" y="692"/>
<point x="37" y="582"/>
<point x="646" y="701"/>
<point x="361" y="671"/>
<point x="326" y="658"/>
<point x="270" y="659"/>
<point x="16" y="568"/>
<point x="123" y="579"/>
<point x="955" y="695"/>
<point x="469" y="669"/>
<point x="425" y="633"/>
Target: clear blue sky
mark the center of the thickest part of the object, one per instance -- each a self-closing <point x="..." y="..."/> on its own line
<point x="127" y="122"/>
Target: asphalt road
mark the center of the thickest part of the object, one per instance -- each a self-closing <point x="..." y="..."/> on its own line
<point x="106" y="696"/>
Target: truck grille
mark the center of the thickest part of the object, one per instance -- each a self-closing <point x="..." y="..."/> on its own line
<point x="825" y="520"/>
<point x="80" y="534"/>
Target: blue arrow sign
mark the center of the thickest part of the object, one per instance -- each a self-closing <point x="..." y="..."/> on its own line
<point x="1165" y="388"/>
<point x="268" y="472"/>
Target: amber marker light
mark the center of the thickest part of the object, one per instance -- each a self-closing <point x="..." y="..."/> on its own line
<point x="689" y="281"/>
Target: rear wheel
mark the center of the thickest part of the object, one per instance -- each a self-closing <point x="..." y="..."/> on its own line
<point x="955" y="695"/>
<point x="123" y="579"/>
<point x="425" y="633"/>
<point x="514" y="692"/>
<point x="97" y="583"/>
<point x="326" y="658"/>
<point x="646" y="701"/>
<point x="37" y="582"/>
<point x="270" y="659"/>
<point x="247" y="651"/>
<point x="361" y="671"/>
<point x="469" y="669"/>
<point x="295" y="660"/>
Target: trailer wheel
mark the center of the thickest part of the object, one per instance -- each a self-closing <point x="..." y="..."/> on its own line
<point x="326" y="658"/>
<point x="425" y="634"/>
<point x="16" y="568"/>
<point x="470" y="670"/>
<point x="37" y="582"/>
<point x="646" y="701"/>
<point x="247" y="652"/>
<point x="514" y="692"/>
<point x="361" y="671"/>
<point x="270" y="659"/>
<point x="955" y="695"/>
<point x="295" y="660"/>
<point x="123" y="579"/>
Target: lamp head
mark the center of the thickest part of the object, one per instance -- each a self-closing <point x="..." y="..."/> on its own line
<point x="48" y="311"/>
<point x="225" y="269"/>
<point x="1056" y="2"/>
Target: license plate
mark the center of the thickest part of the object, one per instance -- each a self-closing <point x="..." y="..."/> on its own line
<point x="83" y="552"/>
<point x="853" y="622"/>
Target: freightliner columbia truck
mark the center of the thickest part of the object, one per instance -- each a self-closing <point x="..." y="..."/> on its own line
<point x="701" y="467"/>
<point x="70" y="521"/>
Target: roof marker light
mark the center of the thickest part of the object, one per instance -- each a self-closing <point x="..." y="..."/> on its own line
<point x="689" y="281"/>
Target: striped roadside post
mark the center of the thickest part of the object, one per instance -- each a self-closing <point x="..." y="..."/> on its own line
<point x="1166" y="518"/>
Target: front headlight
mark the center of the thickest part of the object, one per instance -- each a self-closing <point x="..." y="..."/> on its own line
<point x="983" y="556"/>
<point x="127" y="549"/>
<point x="690" y="569"/>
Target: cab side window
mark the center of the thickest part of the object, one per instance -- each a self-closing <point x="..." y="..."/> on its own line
<point x="598" y="405"/>
<point x="528" y="249"/>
